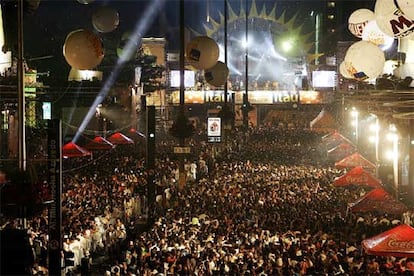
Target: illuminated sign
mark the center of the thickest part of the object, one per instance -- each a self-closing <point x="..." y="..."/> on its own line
<point x="214" y="129"/>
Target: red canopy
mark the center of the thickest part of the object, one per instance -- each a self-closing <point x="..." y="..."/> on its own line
<point x="341" y="151"/>
<point x="120" y="139"/>
<point x="397" y="242"/>
<point x="357" y="176"/>
<point x="135" y="134"/>
<point x="72" y="150"/>
<point x="334" y="139"/>
<point x="378" y="200"/>
<point x="355" y="160"/>
<point x="99" y="143"/>
<point x="323" y="122"/>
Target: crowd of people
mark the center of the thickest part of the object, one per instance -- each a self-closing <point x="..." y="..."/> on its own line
<point x="262" y="203"/>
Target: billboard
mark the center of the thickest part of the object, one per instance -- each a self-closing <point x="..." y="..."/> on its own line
<point x="214" y="129"/>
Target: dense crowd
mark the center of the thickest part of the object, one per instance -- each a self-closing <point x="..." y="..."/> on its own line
<point x="262" y="203"/>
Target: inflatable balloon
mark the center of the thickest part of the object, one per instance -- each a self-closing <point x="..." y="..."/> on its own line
<point x="202" y="52"/>
<point x="373" y="34"/>
<point x="127" y="47"/>
<point x="344" y="72"/>
<point x="391" y="20"/>
<point x="407" y="7"/>
<point x="217" y="75"/>
<point x="357" y="21"/>
<point x="364" y="61"/>
<point x="105" y="19"/>
<point x="85" y="2"/>
<point x="83" y="49"/>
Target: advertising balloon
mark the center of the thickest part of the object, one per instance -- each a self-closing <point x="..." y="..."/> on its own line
<point x="364" y="61"/>
<point x="83" y="49"/>
<point x="217" y="75"/>
<point x="391" y="20"/>
<point x="105" y="19"/>
<point x="407" y="7"/>
<point x="357" y="21"/>
<point x="373" y="34"/>
<point x="344" y="72"/>
<point x="202" y="52"/>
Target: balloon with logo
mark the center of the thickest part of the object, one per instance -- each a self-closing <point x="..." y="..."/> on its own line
<point x="364" y="61"/>
<point x="373" y="34"/>
<point x="344" y="72"/>
<point x="105" y="19"/>
<point x="357" y="21"/>
<point x="217" y="75"/>
<point x="128" y="46"/>
<point x="202" y="52"/>
<point x="83" y="49"/>
<point x="407" y="7"/>
<point x="391" y="20"/>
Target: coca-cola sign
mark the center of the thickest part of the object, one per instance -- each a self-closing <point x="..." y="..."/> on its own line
<point x="407" y="245"/>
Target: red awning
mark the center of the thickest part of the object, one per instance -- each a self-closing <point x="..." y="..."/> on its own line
<point x="324" y="122"/>
<point x="341" y="151"/>
<point x="355" y="160"/>
<point x="397" y="242"/>
<point x="72" y="150"/>
<point x="99" y="143"/>
<point x="334" y="139"/>
<point x="120" y="139"/>
<point x="380" y="201"/>
<point x="357" y="176"/>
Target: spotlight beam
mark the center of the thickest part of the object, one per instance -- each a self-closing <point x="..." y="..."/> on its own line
<point x="140" y="28"/>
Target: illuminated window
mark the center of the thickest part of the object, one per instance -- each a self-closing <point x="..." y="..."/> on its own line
<point x="331" y="16"/>
<point x="331" y="4"/>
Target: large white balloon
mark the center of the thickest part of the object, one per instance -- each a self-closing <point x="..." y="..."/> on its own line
<point x="407" y="7"/>
<point x="202" y="52"/>
<point x="357" y="21"/>
<point x="391" y="20"/>
<point x="344" y="72"/>
<point x="83" y="49"/>
<point x="373" y="34"/>
<point x="364" y="60"/>
<point x="217" y="75"/>
<point x="105" y="19"/>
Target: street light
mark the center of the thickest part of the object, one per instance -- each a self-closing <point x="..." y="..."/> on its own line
<point x="355" y="123"/>
<point x="393" y="154"/>
<point x="375" y="128"/>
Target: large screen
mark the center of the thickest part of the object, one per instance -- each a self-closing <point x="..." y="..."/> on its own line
<point x="323" y="79"/>
<point x="189" y="78"/>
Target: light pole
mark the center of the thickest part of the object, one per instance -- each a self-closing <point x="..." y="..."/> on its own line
<point x="355" y="123"/>
<point x="393" y="155"/>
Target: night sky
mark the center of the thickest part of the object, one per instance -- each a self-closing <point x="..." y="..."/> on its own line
<point x="46" y="30"/>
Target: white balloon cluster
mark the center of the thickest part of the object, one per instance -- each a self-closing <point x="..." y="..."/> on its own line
<point x="391" y="19"/>
<point x="83" y="49"/>
<point x="202" y="53"/>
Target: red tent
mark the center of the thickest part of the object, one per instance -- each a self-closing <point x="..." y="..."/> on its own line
<point x="135" y="134"/>
<point x="341" y="151"/>
<point x="355" y="160"/>
<point x="357" y="176"/>
<point x="397" y="242"/>
<point x="99" y="143"/>
<point x="334" y="139"/>
<point x="324" y="122"/>
<point x="72" y="150"/>
<point x="120" y="139"/>
<point x="378" y="200"/>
